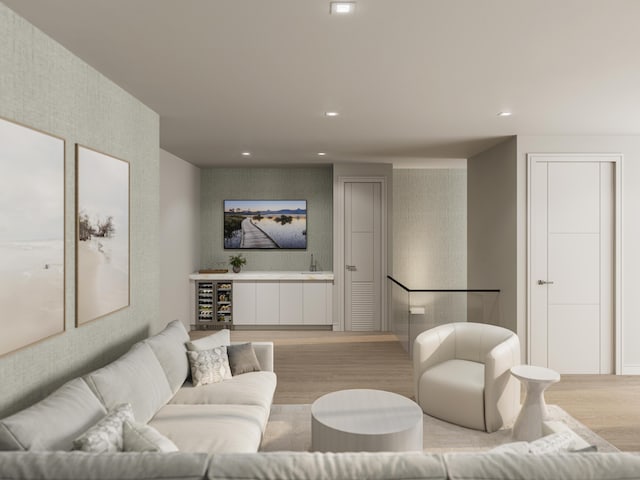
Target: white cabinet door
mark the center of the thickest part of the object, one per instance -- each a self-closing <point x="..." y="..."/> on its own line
<point x="315" y="303"/>
<point x="268" y="303"/>
<point x="290" y="303"/>
<point x="244" y="303"/>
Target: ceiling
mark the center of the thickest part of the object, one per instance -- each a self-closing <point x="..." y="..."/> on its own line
<point x="415" y="81"/>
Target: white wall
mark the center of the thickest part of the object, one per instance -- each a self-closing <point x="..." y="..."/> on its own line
<point x="179" y="236"/>
<point x="629" y="146"/>
<point x="492" y="220"/>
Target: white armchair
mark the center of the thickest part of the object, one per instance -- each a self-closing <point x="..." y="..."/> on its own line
<point x="461" y="374"/>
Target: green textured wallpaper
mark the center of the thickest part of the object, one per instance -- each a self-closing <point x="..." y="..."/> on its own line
<point x="314" y="184"/>
<point x="430" y="227"/>
<point x="44" y="86"/>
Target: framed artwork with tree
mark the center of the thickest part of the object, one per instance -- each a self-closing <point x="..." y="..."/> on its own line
<point x="102" y="240"/>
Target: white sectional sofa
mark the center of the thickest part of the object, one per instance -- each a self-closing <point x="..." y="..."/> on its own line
<point x="153" y="376"/>
<point x="316" y="466"/>
<point x="218" y="429"/>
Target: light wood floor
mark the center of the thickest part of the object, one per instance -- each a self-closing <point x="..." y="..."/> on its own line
<point x="312" y="363"/>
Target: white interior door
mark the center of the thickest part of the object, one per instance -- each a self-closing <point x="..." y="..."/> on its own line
<point x="362" y="253"/>
<point x="571" y="281"/>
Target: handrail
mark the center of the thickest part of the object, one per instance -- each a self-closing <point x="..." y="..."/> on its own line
<point x="442" y="290"/>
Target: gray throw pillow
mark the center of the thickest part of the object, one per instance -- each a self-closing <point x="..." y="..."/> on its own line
<point x="242" y="359"/>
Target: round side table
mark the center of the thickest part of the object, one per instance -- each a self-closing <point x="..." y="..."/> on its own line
<point x="528" y="425"/>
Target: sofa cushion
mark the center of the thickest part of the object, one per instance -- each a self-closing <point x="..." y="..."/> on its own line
<point x="454" y="391"/>
<point x="138" y="437"/>
<point x="568" y="466"/>
<point x="212" y="428"/>
<point x="169" y="347"/>
<point x="218" y="339"/>
<point x="255" y="388"/>
<point x="321" y="466"/>
<point x="136" y="378"/>
<point x="209" y="366"/>
<point x="106" y="435"/>
<point x="54" y="422"/>
<point x="242" y="359"/>
<point x="103" y="466"/>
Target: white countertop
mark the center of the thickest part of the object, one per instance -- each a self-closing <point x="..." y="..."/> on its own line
<point x="264" y="275"/>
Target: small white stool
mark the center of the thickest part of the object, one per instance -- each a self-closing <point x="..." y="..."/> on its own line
<point x="528" y="425"/>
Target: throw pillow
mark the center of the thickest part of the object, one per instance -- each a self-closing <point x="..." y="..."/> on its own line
<point x="138" y="437"/>
<point x="218" y="339"/>
<point x="242" y="359"/>
<point x="559" y="442"/>
<point x="556" y="442"/>
<point x="588" y="449"/>
<point x="106" y="435"/>
<point x="209" y="366"/>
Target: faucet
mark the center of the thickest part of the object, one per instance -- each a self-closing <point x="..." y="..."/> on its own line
<point x="312" y="266"/>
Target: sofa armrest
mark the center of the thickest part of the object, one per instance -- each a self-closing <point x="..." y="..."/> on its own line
<point x="264" y="353"/>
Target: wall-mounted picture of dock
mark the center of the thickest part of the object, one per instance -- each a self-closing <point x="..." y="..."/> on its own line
<point x="265" y="224"/>
<point x="31" y="236"/>
<point x="102" y="242"/>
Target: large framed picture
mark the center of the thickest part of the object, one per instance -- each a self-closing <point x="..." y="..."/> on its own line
<point x="102" y="234"/>
<point x="31" y="236"/>
<point x="264" y="224"/>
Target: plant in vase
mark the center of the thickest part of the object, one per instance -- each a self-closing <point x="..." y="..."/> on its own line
<point x="236" y="262"/>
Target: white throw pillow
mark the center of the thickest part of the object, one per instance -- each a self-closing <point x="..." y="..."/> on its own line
<point x="554" y="443"/>
<point x="558" y="442"/>
<point x="138" y="437"/>
<point x="218" y="339"/>
<point x="209" y="366"/>
<point x="106" y="435"/>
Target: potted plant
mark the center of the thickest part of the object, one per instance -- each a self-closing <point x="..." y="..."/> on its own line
<point x="236" y="262"/>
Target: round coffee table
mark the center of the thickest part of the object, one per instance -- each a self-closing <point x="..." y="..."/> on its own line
<point x="528" y="425"/>
<point x="365" y="420"/>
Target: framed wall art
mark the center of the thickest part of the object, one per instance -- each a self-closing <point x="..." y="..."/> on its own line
<point x="102" y="234"/>
<point x="32" y="269"/>
<point x="264" y="224"/>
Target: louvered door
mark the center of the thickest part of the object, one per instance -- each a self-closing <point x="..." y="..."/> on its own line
<point x="363" y="256"/>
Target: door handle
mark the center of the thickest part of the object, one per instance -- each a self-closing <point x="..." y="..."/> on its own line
<point x="351" y="268"/>
<point x="544" y="282"/>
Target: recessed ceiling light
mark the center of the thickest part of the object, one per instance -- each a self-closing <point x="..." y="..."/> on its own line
<point x="331" y="114"/>
<point x="246" y="154"/>
<point x="504" y="114"/>
<point x="321" y="154"/>
<point x="342" y="8"/>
